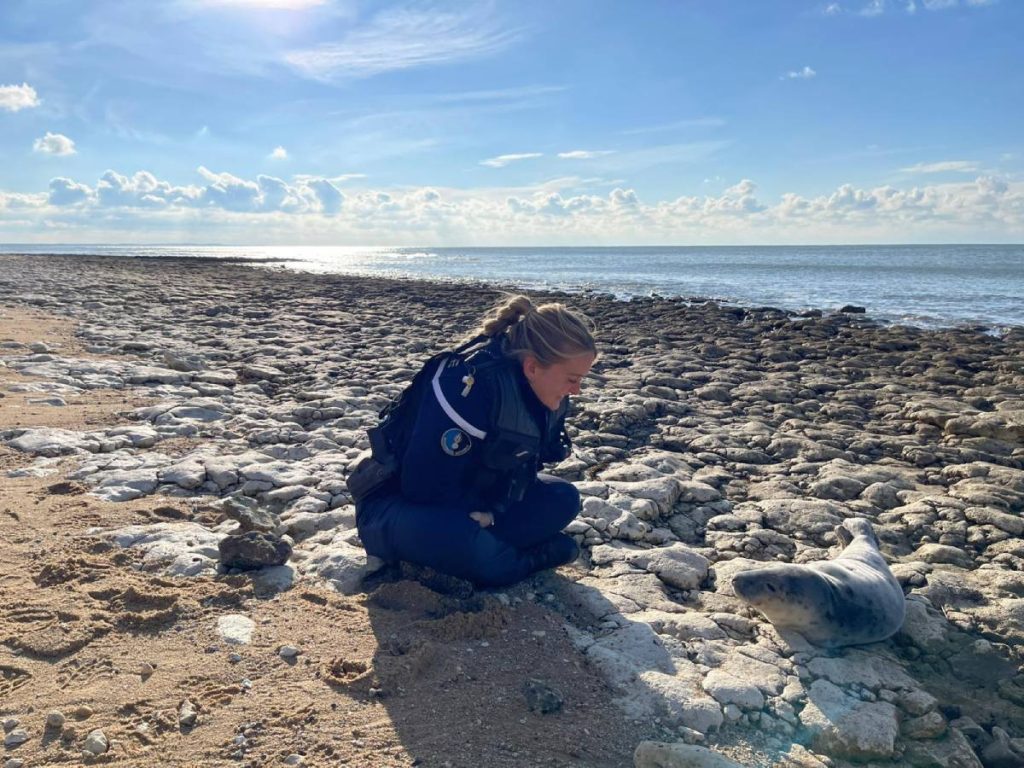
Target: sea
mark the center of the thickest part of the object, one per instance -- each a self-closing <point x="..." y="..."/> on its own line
<point x="923" y="285"/>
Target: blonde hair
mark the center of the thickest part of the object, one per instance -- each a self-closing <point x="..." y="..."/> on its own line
<point x="550" y="333"/>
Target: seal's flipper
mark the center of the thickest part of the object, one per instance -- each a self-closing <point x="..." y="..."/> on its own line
<point x="855" y="526"/>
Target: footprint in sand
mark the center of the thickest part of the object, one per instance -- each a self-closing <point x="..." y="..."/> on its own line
<point x="84" y="672"/>
<point x="49" y="634"/>
<point x="350" y="675"/>
<point x="11" y="679"/>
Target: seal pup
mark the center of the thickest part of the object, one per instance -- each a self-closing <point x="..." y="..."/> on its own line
<point x="850" y="600"/>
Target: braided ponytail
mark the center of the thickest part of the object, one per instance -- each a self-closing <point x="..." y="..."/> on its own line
<point x="549" y="333"/>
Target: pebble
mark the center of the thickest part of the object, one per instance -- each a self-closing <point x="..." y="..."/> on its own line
<point x="235" y="628"/>
<point x="15" y="737"/>
<point x="14" y="762"/>
<point x="10" y="723"/>
<point x="187" y="714"/>
<point x="288" y="652"/>
<point x="55" y="720"/>
<point x="294" y="759"/>
<point x="83" y="712"/>
<point x="95" y="743"/>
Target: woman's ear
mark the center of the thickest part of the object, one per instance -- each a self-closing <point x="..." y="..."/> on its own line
<point x="530" y="367"/>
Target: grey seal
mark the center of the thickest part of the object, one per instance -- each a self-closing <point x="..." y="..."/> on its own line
<point x="849" y="600"/>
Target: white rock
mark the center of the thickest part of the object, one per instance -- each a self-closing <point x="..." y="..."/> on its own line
<point x="288" y="652"/>
<point x="177" y="549"/>
<point x="187" y="714"/>
<point x="341" y="563"/>
<point x="96" y="743"/>
<point x="236" y="628"/>
<point x="48" y="441"/>
<point x="846" y="727"/>
<point x="727" y="689"/>
<point x="654" y="754"/>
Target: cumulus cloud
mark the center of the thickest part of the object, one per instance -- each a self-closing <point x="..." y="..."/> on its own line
<point x="502" y="160"/>
<point x="584" y="154"/>
<point x="143" y="190"/>
<point x="67" y="192"/>
<point x="959" y="166"/>
<point x="54" y="144"/>
<point x="552" y="212"/>
<point x="330" y="196"/>
<point x="800" y="74"/>
<point x="279" y="153"/>
<point x="17" y="97"/>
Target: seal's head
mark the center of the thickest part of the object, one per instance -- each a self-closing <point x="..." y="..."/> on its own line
<point x="789" y="595"/>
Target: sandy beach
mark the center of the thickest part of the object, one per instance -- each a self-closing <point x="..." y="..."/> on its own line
<point x="137" y="395"/>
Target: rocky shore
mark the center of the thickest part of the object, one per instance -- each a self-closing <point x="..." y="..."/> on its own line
<point x="719" y="438"/>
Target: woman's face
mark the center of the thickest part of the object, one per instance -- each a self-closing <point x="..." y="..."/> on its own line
<point x="552" y="383"/>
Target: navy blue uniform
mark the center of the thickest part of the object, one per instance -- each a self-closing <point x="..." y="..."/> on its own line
<point x="422" y="516"/>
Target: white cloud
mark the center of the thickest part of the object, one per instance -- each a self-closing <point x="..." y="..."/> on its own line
<point x="330" y="196"/>
<point x="54" y="144"/>
<point x="502" y="160"/>
<point x="959" y="166"/>
<point x="279" y="153"/>
<point x="584" y="154"/>
<point x="67" y="192"/>
<point x="832" y="9"/>
<point x="404" y="38"/>
<point x="801" y="74"/>
<point x="143" y="190"/>
<point x="879" y="7"/>
<point x="17" y="97"/>
<point x="277" y="5"/>
<point x="226" y="207"/>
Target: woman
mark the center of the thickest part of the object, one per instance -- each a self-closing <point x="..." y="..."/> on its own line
<point x="459" y="452"/>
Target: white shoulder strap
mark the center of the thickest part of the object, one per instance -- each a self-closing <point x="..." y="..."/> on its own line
<point x="447" y="407"/>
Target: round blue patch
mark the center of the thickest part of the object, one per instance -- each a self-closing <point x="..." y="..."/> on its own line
<point x="455" y="442"/>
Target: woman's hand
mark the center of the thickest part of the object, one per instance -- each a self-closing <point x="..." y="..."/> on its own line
<point x="486" y="519"/>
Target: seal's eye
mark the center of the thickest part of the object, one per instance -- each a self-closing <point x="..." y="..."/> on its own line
<point x="770" y="587"/>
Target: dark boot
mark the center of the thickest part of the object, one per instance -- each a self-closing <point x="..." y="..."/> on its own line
<point x="558" y="550"/>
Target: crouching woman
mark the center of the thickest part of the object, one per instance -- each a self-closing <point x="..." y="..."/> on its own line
<point x="454" y="482"/>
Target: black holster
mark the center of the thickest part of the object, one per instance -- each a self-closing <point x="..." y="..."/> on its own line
<point x="373" y="471"/>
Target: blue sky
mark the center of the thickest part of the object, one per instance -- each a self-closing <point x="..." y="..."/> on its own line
<point x="505" y="123"/>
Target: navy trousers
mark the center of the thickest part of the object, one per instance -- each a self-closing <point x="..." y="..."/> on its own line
<point x="526" y="538"/>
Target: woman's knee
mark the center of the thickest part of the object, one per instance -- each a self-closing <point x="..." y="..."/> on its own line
<point x="491" y="562"/>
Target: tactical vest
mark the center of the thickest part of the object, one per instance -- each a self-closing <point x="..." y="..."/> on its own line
<point x="514" y="445"/>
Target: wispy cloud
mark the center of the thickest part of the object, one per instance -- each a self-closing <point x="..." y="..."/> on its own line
<point x="946" y="166"/>
<point x="403" y="39"/>
<point x="585" y="154"/>
<point x="693" y="122"/>
<point x="16" y="97"/>
<point x="279" y="153"/>
<point x="799" y="74"/>
<point x="499" y="94"/>
<point x="54" y="144"/>
<point x="502" y="160"/>
<point x="276" y="5"/>
<point x="878" y="7"/>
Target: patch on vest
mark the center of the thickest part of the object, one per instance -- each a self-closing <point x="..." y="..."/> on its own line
<point x="455" y="442"/>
